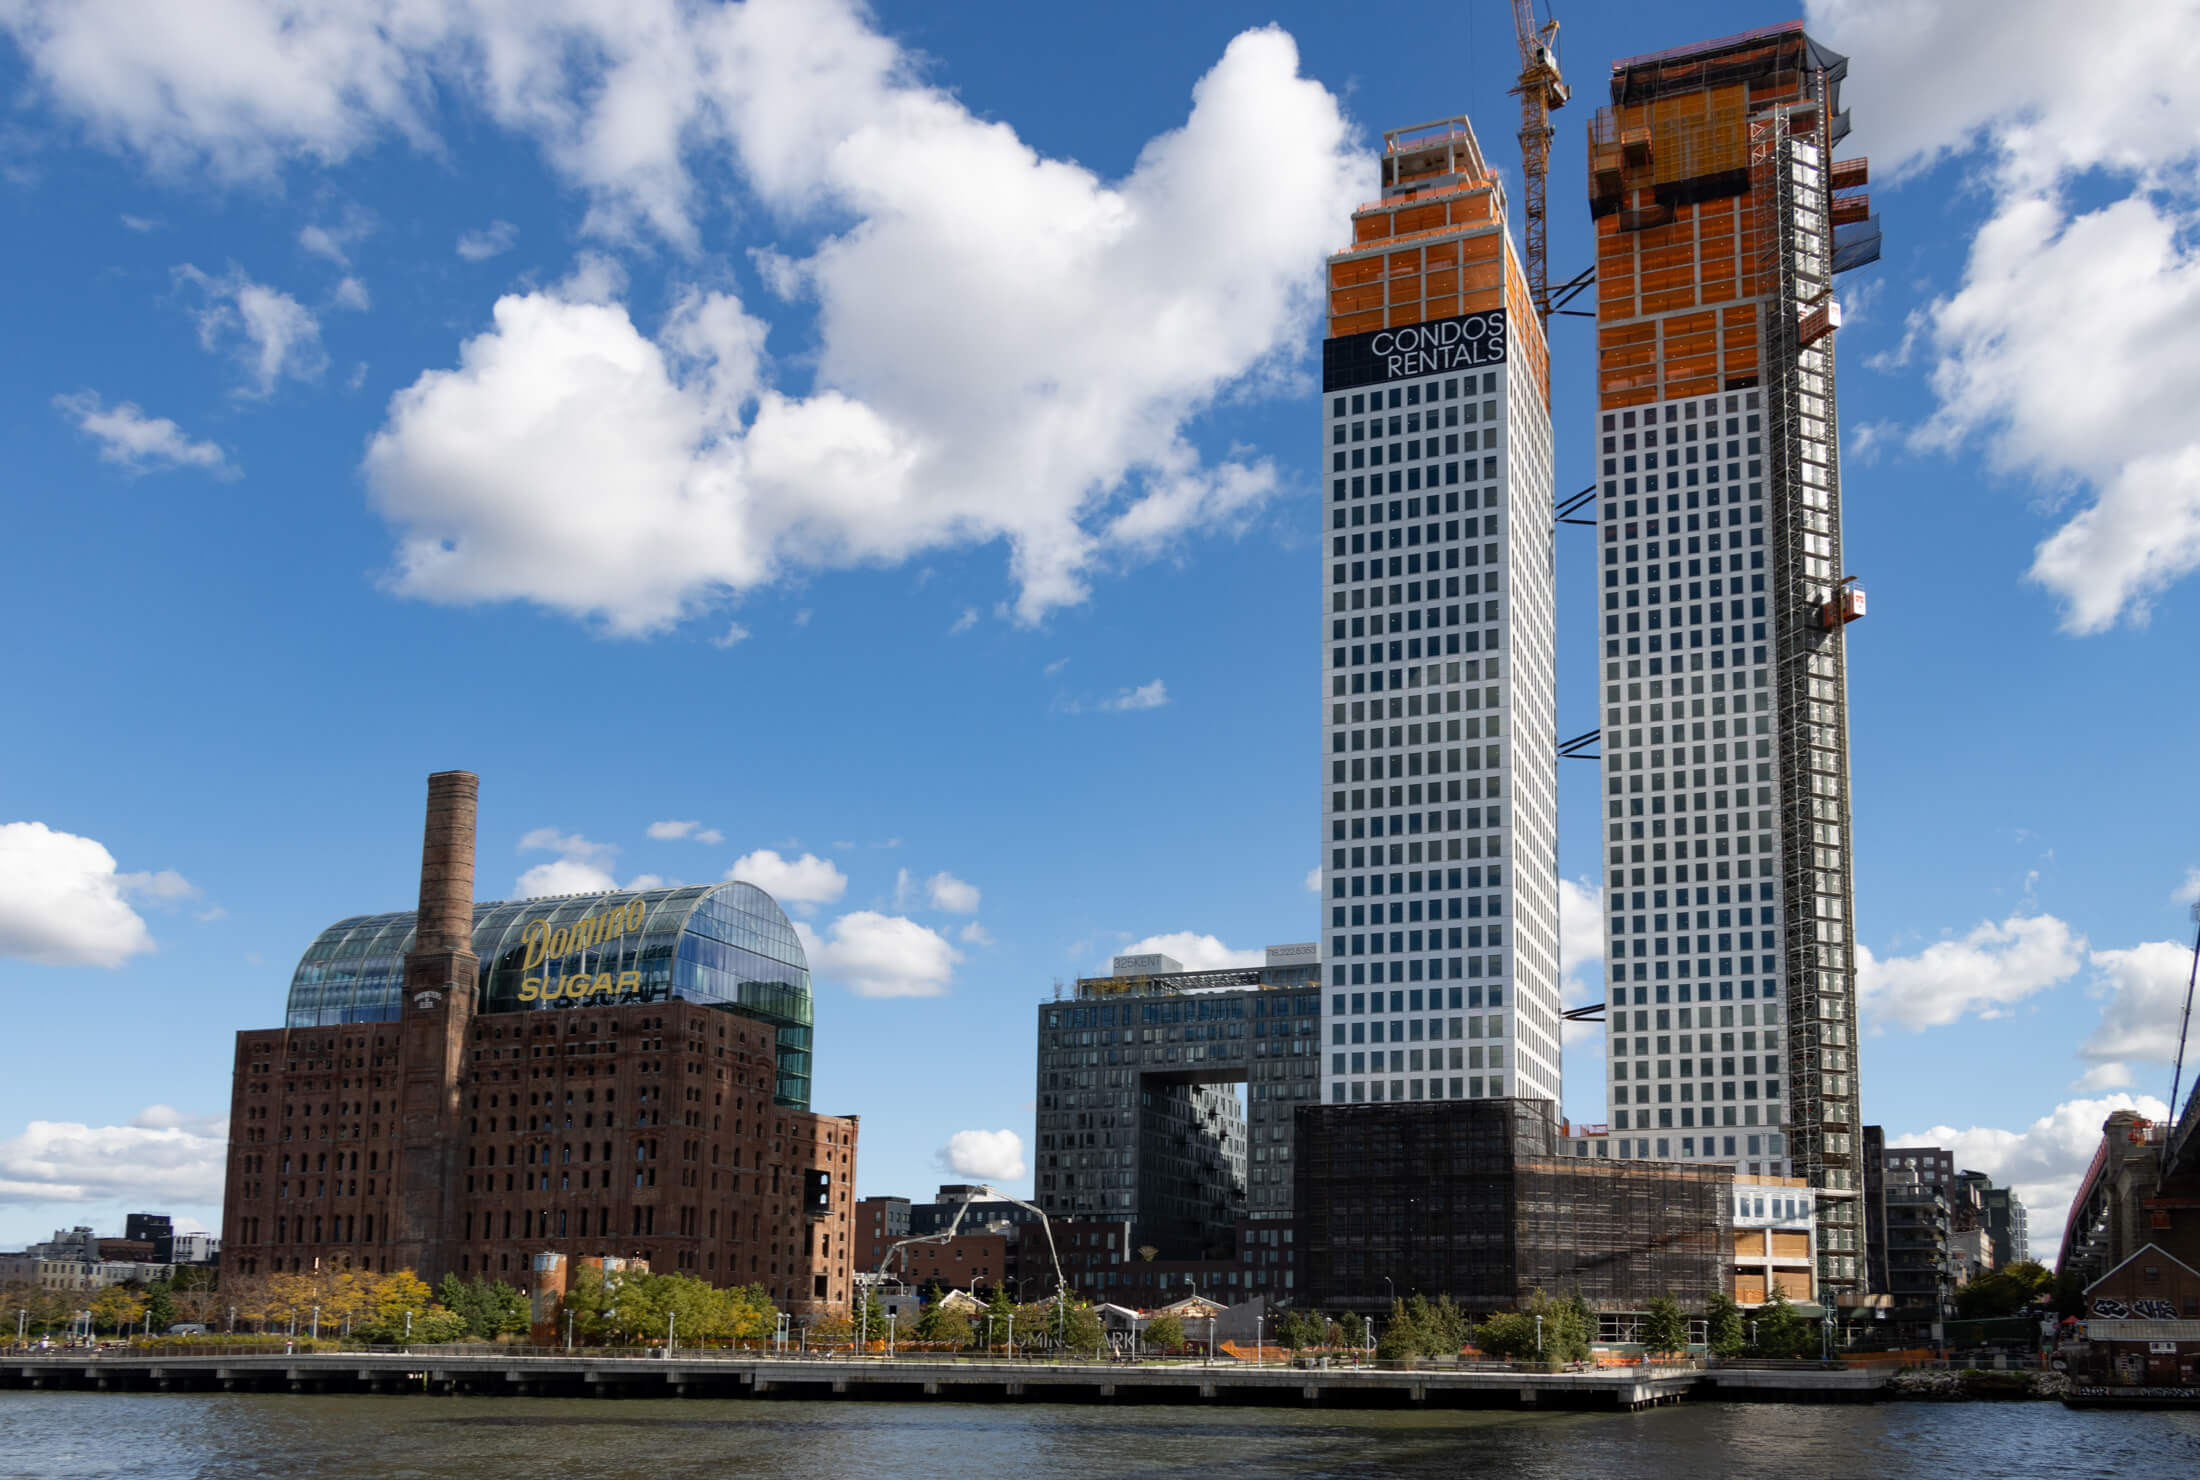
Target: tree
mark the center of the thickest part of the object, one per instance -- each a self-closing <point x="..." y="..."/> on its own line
<point x="1508" y="1335"/>
<point x="1568" y="1326"/>
<point x="868" y="1321"/>
<point x="160" y="1305"/>
<point x="1079" y="1329"/>
<point x="2005" y="1292"/>
<point x="1165" y="1334"/>
<point x="1401" y="1338"/>
<point x="117" y="1307"/>
<point x="1300" y="1329"/>
<point x="1780" y="1331"/>
<point x="1723" y="1325"/>
<point x="947" y="1325"/>
<point x="1352" y="1329"/>
<point x="1665" y="1327"/>
<point x="1444" y="1327"/>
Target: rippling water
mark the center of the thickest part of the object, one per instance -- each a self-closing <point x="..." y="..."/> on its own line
<point x="90" y="1436"/>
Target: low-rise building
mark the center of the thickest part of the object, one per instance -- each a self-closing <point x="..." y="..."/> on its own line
<point x="2142" y="1324"/>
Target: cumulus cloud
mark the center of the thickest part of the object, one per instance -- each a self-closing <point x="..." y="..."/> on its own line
<point x="2043" y="1162"/>
<point x="581" y="867"/>
<point x="2144" y="988"/>
<point x="2104" y="1076"/>
<point x="162" y="1156"/>
<point x="1985" y="972"/>
<point x="1314" y="879"/>
<point x="270" y="334"/>
<point x="2051" y="101"/>
<point x="800" y="883"/>
<point x="974" y="934"/>
<point x="138" y="443"/>
<point x="1196" y="952"/>
<point x="966" y="621"/>
<point x="62" y="902"/>
<point x="1009" y="346"/>
<point x="985" y="1156"/>
<point x="492" y="240"/>
<point x="2189" y="891"/>
<point x="672" y="832"/>
<point x="875" y="955"/>
<point x="946" y="892"/>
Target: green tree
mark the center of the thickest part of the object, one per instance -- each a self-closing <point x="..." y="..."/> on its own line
<point x="1400" y="1338"/>
<point x="1568" y="1325"/>
<point x="1665" y="1327"/>
<point x="1079" y="1329"/>
<point x="1780" y="1331"/>
<point x="1508" y="1336"/>
<point x="2006" y="1291"/>
<point x="1300" y="1329"/>
<point x="1352" y="1329"/>
<point x="1445" y="1328"/>
<point x="489" y="1308"/>
<point x="945" y="1324"/>
<point x="1164" y="1334"/>
<point x="1723" y="1325"/>
<point x="160" y="1305"/>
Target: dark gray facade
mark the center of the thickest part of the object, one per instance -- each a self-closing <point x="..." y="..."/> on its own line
<point x="1138" y="1114"/>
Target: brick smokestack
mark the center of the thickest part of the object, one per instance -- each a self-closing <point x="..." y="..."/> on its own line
<point x="447" y="864"/>
<point x="441" y="976"/>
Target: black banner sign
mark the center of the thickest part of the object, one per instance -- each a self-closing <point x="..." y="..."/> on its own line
<point x="1467" y="342"/>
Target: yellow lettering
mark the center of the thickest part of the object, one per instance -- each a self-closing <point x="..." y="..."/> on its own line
<point x="635" y="910"/>
<point x="629" y="981"/>
<point x="535" y="934"/>
<point x="553" y="990"/>
<point x="602" y="984"/>
<point x="561" y="941"/>
<point x="530" y="988"/>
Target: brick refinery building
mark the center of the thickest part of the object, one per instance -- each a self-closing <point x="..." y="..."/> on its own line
<point x="620" y="1075"/>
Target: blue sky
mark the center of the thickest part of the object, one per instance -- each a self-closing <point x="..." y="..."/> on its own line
<point x="882" y="440"/>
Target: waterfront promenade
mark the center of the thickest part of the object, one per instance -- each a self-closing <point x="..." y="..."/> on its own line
<point x="744" y="1374"/>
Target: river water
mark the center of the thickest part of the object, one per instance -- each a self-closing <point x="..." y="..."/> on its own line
<point x="94" y="1436"/>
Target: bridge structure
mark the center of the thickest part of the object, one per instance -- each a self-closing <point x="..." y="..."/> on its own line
<point x="749" y="1375"/>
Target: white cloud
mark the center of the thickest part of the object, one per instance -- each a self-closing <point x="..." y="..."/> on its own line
<point x="493" y="240"/>
<point x="946" y="892"/>
<point x="1196" y="952"/>
<point x="875" y="955"/>
<point x="2058" y="104"/>
<point x="2189" y="891"/>
<point x="268" y="332"/>
<point x="2104" y="1076"/>
<point x="1985" y="972"/>
<point x="966" y="621"/>
<point x="2043" y="1162"/>
<point x="1580" y="954"/>
<point x="334" y="242"/>
<point x="985" y="1156"/>
<point x="142" y="224"/>
<point x="734" y="633"/>
<point x="1314" y="879"/>
<point x="139" y="443"/>
<point x="799" y="883"/>
<point x="63" y="904"/>
<point x="974" y="934"/>
<point x="162" y="1156"/>
<point x="2145" y="988"/>
<point x="1027" y="382"/>
<point x="1055" y="667"/>
<point x="672" y="832"/>
<point x="1145" y="696"/>
<point x="352" y="293"/>
<point x="1009" y="346"/>
<point x="582" y="866"/>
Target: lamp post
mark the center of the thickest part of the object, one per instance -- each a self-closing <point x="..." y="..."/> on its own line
<point x="569" y="1330"/>
<point x="1539" y="1336"/>
<point x="408" y="1330"/>
<point x="1012" y="1335"/>
<point x="316" y="1323"/>
<point x="890" y="1318"/>
<point x="232" y="1320"/>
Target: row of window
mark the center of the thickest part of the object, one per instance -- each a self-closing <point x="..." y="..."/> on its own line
<point x="1409" y="1030"/>
<point x="1363" y="402"/>
<point x="1448" y="445"/>
<point x="1410" y="883"/>
<point x="1411" y="423"/>
<point x="1472" y="1087"/>
<point x="1374" y="973"/>
<point x="1411" y="1061"/>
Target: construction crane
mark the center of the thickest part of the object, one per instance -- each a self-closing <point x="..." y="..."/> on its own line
<point x="1541" y="90"/>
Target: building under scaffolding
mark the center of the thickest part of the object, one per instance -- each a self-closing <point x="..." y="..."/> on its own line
<point x="1472" y="1199"/>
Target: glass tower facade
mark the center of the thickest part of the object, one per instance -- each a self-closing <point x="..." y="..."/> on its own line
<point x="728" y="945"/>
<point x="1439" y="795"/>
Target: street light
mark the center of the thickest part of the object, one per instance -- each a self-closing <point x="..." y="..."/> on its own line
<point x="568" y="1330"/>
<point x="1539" y="1336"/>
<point x="890" y="1318"/>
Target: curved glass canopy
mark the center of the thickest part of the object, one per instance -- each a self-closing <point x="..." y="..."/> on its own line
<point x="727" y="945"/>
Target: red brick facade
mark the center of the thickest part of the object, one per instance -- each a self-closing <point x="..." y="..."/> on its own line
<point x="642" y="1131"/>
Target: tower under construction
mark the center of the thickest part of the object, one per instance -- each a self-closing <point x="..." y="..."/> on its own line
<point x="1721" y="220"/>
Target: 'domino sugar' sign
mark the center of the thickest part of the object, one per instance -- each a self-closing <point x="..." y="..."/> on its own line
<point x="1468" y="341"/>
